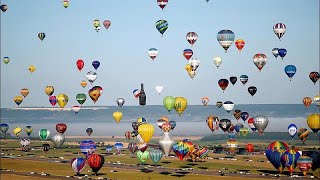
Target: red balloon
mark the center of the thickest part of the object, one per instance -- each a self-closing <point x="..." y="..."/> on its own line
<point x="250" y="148"/>
<point x="61" y="128"/>
<point x="95" y="161"/>
<point x="127" y="134"/>
<point x="80" y="64"/>
<point x="223" y="83"/>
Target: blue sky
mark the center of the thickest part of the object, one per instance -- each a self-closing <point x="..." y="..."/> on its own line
<point x="122" y="49"/>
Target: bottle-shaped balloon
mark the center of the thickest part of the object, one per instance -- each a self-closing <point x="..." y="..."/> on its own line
<point x="142" y="96"/>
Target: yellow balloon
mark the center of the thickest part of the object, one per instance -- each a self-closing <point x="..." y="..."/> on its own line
<point x="117" y="116"/>
<point x="180" y="104"/>
<point x="313" y="121"/>
<point x="32" y="68"/>
<point x="188" y="67"/>
<point x="192" y="74"/>
<point x="62" y="100"/>
<point x="146" y="132"/>
<point x="17" y="131"/>
<point x="83" y="83"/>
<point x="24" y="92"/>
<point x="49" y="90"/>
<point x="18" y="100"/>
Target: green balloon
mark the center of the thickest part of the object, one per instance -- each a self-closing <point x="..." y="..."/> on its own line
<point x="44" y="134"/>
<point x="81" y="98"/>
<point x="168" y="103"/>
<point x="244" y="131"/>
<point x="143" y="156"/>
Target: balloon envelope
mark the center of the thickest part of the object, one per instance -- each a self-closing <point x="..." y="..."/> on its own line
<point x="95" y="161"/>
<point x="225" y="37"/>
<point x="77" y="164"/>
<point x="290" y="70"/>
<point x="58" y="140"/>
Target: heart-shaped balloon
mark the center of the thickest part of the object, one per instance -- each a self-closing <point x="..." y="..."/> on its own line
<point x="142" y="147"/>
<point x="142" y="156"/>
<point x="181" y="149"/>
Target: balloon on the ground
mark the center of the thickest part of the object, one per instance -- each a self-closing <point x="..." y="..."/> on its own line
<point x="95" y="161"/>
<point x="279" y="29"/>
<point x="232" y="145"/>
<point x="77" y="164"/>
<point x="44" y="134"/>
<point x="313" y="121"/>
<point x="166" y="143"/>
<point x="304" y="163"/>
<point x="274" y="152"/>
<point x="155" y="155"/>
<point x="143" y="156"/>
<point x="249" y="148"/>
<point x="45" y="147"/>
<point x="225" y="37"/>
<point x="290" y="70"/>
<point x="181" y="149"/>
<point x="118" y="146"/>
<point x="289" y="159"/>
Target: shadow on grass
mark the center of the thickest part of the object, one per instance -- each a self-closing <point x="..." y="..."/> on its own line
<point x="192" y="164"/>
<point x="178" y="175"/>
<point x="201" y="167"/>
<point x="243" y="170"/>
<point x="274" y="172"/>
<point x="165" y="173"/>
<point x="184" y="166"/>
<point x="165" y="162"/>
<point x="183" y="172"/>
<point x="146" y="170"/>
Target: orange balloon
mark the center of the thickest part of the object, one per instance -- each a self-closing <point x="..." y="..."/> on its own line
<point x="24" y="92"/>
<point x="240" y="44"/>
<point x="83" y="83"/>
<point x="165" y="118"/>
<point x="307" y="101"/>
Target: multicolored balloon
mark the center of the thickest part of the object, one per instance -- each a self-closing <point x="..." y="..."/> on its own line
<point x="95" y="161"/>
<point x="162" y="26"/>
<point x="88" y="147"/>
<point x="191" y="37"/>
<point x="240" y="44"/>
<point x="274" y="152"/>
<point x="304" y="163"/>
<point x="314" y="76"/>
<point x="96" y="25"/>
<point x="18" y="100"/>
<point x="279" y="29"/>
<point x="303" y="134"/>
<point x="91" y="76"/>
<point x="224" y="124"/>
<point x="205" y="101"/>
<point x="289" y="159"/>
<point x="260" y="60"/>
<point x="28" y="130"/>
<point x="152" y="52"/>
<point x="162" y="3"/>
<point x="244" y="79"/>
<point x="83" y="83"/>
<point x="53" y="100"/>
<point x="78" y="164"/>
<point x="6" y="60"/>
<point x="181" y="149"/>
<point x="219" y="104"/>
<point x="65" y="3"/>
<point x="89" y="131"/>
<point x="187" y="53"/>
<point x="225" y="37"/>
<point x="143" y="156"/>
<point x="244" y="116"/>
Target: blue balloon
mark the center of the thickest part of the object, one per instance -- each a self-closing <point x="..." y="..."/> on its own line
<point x="173" y="124"/>
<point x="155" y="155"/>
<point x="238" y="126"/>
<point x="282" y="52"/>
<point x="290" y="70"/>
<point x="96" y="64"/>
<point x="78" y="164"/>
<point x="4" y="127"/>
<point x="231" y="135"/>
<point x="87" y="147"/>
<point x="108" y="148"/>
<point x="118" y="147"/>
<point x="244" y="116"/>
<point x="292" y="130"/>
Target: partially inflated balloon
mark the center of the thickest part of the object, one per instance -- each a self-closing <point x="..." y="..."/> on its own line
<point x="168" y="103"/>
<point x="290" y="70"/>
<point x="17" y="131"/>
<point x="18" y="100"/>
<point x="80" y="64"/>
<point x="117" y="116"/>
<point x="153" y="52"/>
<point x="279" y="29"/>
<point x="260" y="60"/>
<point x="49" y="90"/>
<point x="225" y="37"/>
<point x="162" y="26"/>
<point x="62" y="100"/>
<point x="146" y="132"/>
<point x="180" y="104"/>
<point x="240" y="44"/>
<point x="313" y="121"/>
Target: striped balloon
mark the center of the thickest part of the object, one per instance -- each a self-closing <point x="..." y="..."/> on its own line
<point x="162" y="26"/>
<point x="78" y="164"/>
<point x="303" y="134"/>
<point x="203" y="152"/>
<point x="274" y="152"/>
<point x="155" y="155"/>
<point x="289" y="159"/>
<point x="192" y="37"/>
<point x="237" y="114"/>
<point x="225" y="37"/>
<point x="279" y="29"/>
<point x="41" y="36"/>
<point x="307" y="101"/>
<point x="213" y="123"/>
<point x="304" y="164"/>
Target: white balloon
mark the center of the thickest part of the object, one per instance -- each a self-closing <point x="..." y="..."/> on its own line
<point x="194" y="63"/>
<point x="159" y="89"/>
<point x="260" y="122"/>
<point x="166" y="143"/>
<point x="228" y="106"/>
<point x="120" y="102"/>
<point x="217" y="61"/>
<point x="76" y="109"/>
<point x="91" y="76"/>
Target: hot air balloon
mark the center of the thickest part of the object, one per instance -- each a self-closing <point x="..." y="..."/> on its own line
<point x="62" y="100"/>
<point x="65" y="3"/>
<point x="224" y="124"/>
<point x="96" y="161"/>
<point x="109" y="148"/>
<point x="173" y="124"/>
<point x="292" y="130"/>
<point x="290" y="70"/>
<point x="41" y="36"/>
<point x="160" y="122"/>
<point x="316" y="99"/>
<point x="77" y="164"/>
<point x="187" y="53"/>
<point x="76" y="109"/>
<point x="314" y="76"/>
<point x="205" y="100"/>
<point x="146" y="132"/>
<point x="4" y="127"/>
<point x="217" y="61"/>
<point x="117" y="116"/>
<point x="49" y="90"/>
<point x="194" y="63"/>
<point x="89" y="131"/>
<point x="44" y="134"/>
<point x="91" y="76"/>
<point x="303" y="134"/>
<point x="304" y="163"/>
<point x="81" y="98"/>
<point x="153" y="52"/>
<point x="260" y="122"/>
<point x="4" y="7"/>
<point x="53" y="100"/>
<point x="61" y="128"/>
<point x="240" y="44"/>
<point x="260" y="60"/>
<point x="237" y="114"/>
<point x="32" y="68"/>
<point x="118" y="146"/>
<point x="80" y="64"/>
<point x="233" y="80"/>
<point x="223" y="83"/>
<point x="95" y="93"/>
<point x="136" y="93"/>
<point x="315" y="156"/>
<point x="231" y="128"/>
<point x="166" y="127"/>
<point x="313" y="121"/>
<point x="155" y="155"/>
<point x="252" y="90"/>
<point x="120" y="102"/>
<point x="213" y="123"/>
<point x="244" y="79"/>
<point x="232" y="145"/>
<point x="203" y="152"/>
<point x="135" y="126"/>
<point x="46" y="147"/>
<point x="219" y="104"/>
<point x="228" y="106"/>
<point x="237" y="127"/>
<point x="95" y="64"/>
<point x="142" y="156"/>
<point x="96" y="25"/>
<point x="28" y="130"/>
<point x="18" y="100"/>
<point x="249" y="148"/>
<point x="282" y="52"/>
<point x="127" y="135"/>
<point x="244" y="131"/>
<point x="162" y="26"/>
<point x="244" y="116"/>
<point x="162" y="3"/>
<point x="251" y="125"/>
<point x="289" y="159"/>
<point x="307" y="101"/>
<point x="192" y="74"/>
<point x="24" y="92"/>
<point x="24" y="143"/>
<point x="225" y="37"/>
<point x="274" y="152"/>
<point x="166" y="143"/>
<point x="180" y="104"/>
<point x="141" y="120"/>
<point x="87" y="147"/>
<point x="106" y="23"/>
<point x="58" y="140"/>
<point x="181" y="149"/>
<point x="83" y="83"/>
<point x="132" y="147"/>
<point x="159" y="89"/>
<point x="275" y="52"/>
<point x="279" y="29"/>
<point x="17" y="131"/>
<point x="191" y="37"/>
<point x="6" y="60"/>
